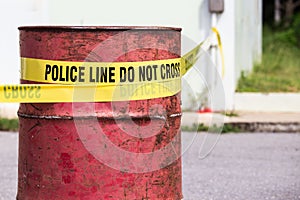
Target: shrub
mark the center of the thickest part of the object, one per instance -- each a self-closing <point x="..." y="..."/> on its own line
<point x="296" y="27"/>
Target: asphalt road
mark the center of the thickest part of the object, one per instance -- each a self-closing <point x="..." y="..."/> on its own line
<point x="241" y="166"/>
<point x="8" y="165"/>
<point x="244" y="167"/>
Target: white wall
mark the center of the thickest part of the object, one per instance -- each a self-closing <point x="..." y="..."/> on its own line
<point x="176" y="13"/>
<point x="14" y="13"/>
<point x="248" y="33"/>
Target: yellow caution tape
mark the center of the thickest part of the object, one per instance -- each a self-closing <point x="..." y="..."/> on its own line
<point x="100" y="73"/>
<point x="220" y="46"/>
<point x="190" y="59"/>
<point x="47" y="93"/>
<point x="102" y="81"/>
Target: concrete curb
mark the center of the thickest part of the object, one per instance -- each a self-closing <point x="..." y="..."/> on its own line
<point x="272" y="122"/>
<point x="267" y="127"/>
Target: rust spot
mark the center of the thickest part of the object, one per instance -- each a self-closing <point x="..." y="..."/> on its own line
<point x="66" y="161"/>
<point x="66" y="179"/>
<point x="94" y="189"/>
<point x="71" y="193"/>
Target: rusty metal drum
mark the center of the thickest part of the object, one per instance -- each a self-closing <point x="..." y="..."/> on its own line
<point x="116" y="150"/>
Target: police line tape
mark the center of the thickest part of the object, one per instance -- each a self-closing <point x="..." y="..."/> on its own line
<point x="49" y="93"/>
<point x="102" y="81"/>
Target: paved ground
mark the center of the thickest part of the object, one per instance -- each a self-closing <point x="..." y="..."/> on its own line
<point x="8" y="165"/>
<point x="244" y="167"/>
<point x="241" y="166"/>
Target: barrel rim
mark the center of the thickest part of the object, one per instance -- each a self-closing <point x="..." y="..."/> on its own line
<point x="105" y="28"/>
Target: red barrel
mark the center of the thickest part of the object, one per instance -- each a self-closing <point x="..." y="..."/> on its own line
<point x="100" y="150"/>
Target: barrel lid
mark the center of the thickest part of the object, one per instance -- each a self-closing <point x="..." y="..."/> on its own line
<point x="89" y="28"/>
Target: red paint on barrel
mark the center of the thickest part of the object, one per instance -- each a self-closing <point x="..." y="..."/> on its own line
<point x="54" y="160"/>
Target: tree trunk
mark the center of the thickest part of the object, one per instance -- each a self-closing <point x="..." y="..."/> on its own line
<point x="277" y="12"/>
<point x="289" y="12"/>
<point x="290" y="7"/>
<point x="296" y="4"/>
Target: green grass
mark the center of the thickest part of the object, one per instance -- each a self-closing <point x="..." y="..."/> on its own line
<point x="194" y="128"/>
<point x="227" y="128"/>
<point x="230" y="113"/>
<point x="9" y="124"/>
<point x="280" y="67"/>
